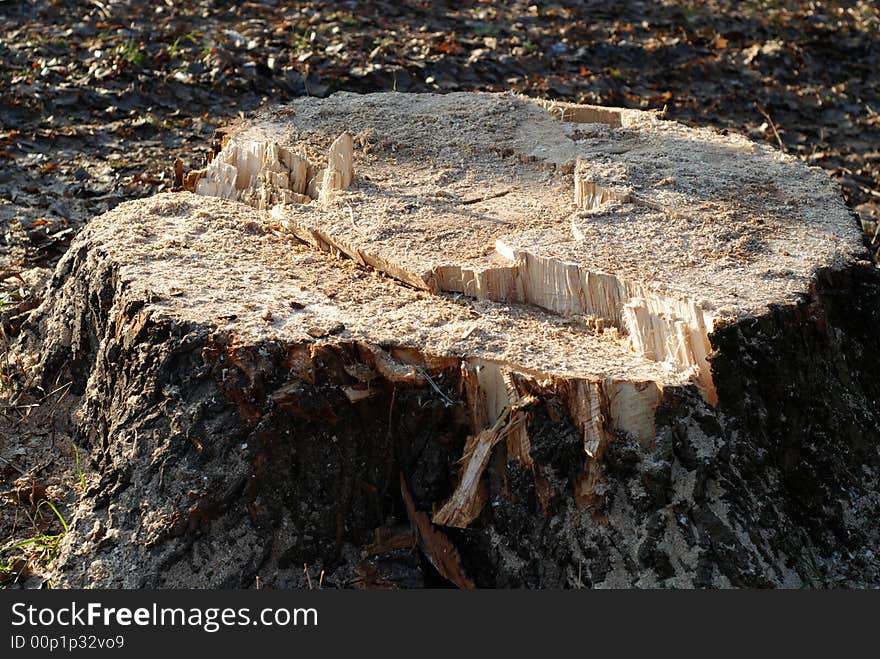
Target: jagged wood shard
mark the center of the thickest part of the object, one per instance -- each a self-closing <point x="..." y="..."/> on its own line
<point x="265" y="174"/>
<point x="669" y="230"/>
<point x="466" y="502"/>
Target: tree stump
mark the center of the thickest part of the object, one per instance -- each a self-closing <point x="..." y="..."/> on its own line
<point x="473" y="339"/>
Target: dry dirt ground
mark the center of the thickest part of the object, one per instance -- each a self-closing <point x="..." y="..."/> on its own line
<point x="99" y="97"/>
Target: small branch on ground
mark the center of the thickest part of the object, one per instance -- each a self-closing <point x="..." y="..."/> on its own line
<point x="769" y="119"/>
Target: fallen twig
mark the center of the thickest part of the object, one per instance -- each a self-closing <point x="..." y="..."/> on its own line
<point x="772" y="126"/>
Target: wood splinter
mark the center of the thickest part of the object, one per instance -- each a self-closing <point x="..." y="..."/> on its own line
<point x="340" y="168"/>
<point x="466" y="503"/>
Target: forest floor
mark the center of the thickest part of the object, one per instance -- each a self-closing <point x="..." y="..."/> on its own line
<point x="99" y="97"/>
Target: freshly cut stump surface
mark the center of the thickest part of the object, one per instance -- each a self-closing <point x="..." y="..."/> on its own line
<point x="654" y="228"/>
<point x="472" y="339"/>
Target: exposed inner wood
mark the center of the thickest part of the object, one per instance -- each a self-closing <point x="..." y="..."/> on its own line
<point x="658" y="230"/>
